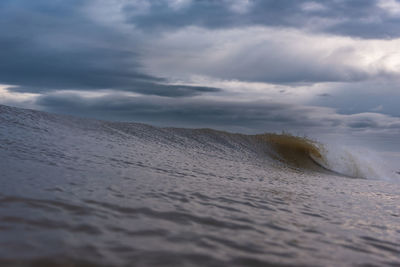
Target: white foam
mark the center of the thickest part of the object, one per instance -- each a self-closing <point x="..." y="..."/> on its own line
<point x="355" y="162"/>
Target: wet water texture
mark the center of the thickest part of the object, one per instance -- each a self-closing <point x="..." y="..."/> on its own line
<point x="77" y="192"/>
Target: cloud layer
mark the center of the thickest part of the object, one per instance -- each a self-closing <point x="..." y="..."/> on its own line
<point x="245" y="65"/>
<point x="272" y="55"/>
<point x="360" y="18"/>
<point x="52" y="45"/>
<point x="247" y="116"/>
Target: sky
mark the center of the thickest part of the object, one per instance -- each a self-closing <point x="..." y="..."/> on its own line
<point x="306" y="67"/>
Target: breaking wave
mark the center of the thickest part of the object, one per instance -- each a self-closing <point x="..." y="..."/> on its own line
<point x="288" y="150"/>
<point x="296" y="151"/>
<point x="304" y="153"/>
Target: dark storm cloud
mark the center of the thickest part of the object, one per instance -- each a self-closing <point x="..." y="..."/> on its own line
<point x="187" y="112"/>
<point x="361" y="18"/>
<point x="50" y="45"/>
<point x="252" y="116"/>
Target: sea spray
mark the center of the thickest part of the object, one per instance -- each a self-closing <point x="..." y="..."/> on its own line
<point x="308" y="154"/>
<point x="354" y="162"/>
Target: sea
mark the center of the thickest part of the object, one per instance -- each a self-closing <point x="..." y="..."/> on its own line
<point x="86" y="192"/>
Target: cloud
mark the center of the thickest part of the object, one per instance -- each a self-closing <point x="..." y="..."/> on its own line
<point x="265" y="54"/>
<point x="312" y="6"/>
<point x="324" y="95"/>
<point x="259" y="62"/>
<point x="26" y="100"/>
<point x="50" y="45"/>
<point x="85" y="45"/>
<point x="248" y="116"/>
<point x="138" y="86"/>
<point x="380" y="95"/>
<point x="366" y="19"/>
<point x="392" y="7"/>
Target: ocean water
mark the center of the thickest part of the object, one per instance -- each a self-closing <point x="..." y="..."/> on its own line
<point x="79" y="192"/>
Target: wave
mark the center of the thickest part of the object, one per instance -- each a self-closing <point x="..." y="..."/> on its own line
<point x="291" y="151"/>
<point x="304" y="153"/>
<point x="296" y="151"/>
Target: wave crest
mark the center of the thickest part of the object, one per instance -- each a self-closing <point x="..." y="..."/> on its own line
<point x="299" y="152"/>
<point x="304" y="153"/>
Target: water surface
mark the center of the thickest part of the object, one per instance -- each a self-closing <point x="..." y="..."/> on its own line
<point x="86" y="192"/>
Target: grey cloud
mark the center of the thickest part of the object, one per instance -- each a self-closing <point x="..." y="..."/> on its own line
<point x="366" y="123"/>
<point x="381" y="95"/>
<point x="185" y="112"/>
<point x="142" y="87"/>
<point x="253" y="116"/>
<point x="259" y="54"/>
<point x="361" y="18"/>
<point x="50" y="45"/>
